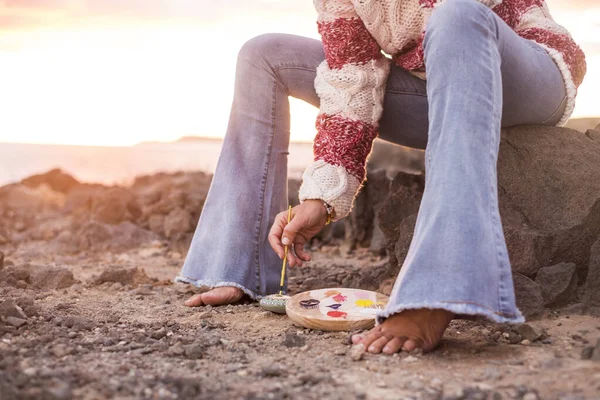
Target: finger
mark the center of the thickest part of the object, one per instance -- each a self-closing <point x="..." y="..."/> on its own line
<point x="300" y="253"/>
<point x="275" y="234"/>
<point x="291" y="230"/>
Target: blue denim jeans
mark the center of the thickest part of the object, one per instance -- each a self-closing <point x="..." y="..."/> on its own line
<point x="480" y="76"/>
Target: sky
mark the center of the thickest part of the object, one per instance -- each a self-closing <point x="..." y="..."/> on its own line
<point x="119" y="72"/>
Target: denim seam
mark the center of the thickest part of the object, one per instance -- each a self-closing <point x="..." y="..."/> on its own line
<point x="263" y="188"/>
<point x="493" y="193"/>
<point x="557" y="111"/>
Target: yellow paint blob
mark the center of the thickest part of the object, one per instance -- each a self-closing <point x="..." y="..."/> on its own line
<point x="364" y="303"/>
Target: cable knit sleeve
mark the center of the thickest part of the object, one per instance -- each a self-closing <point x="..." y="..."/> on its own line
<point x="350" y="83"/>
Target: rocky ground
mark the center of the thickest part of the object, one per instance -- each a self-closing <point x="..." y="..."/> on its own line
<point x="88" y="308"/>
<point x="112" y="325"/>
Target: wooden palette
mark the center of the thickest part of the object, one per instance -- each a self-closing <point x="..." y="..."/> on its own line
<point x="335" y="309"/>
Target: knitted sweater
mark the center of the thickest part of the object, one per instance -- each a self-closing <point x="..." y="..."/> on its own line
<point x="351" y="80"/>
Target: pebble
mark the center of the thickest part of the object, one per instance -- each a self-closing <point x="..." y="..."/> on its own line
<point x="410" y="360"/>
<point x="357" y="351"/>
<point x="293" y="340"/>
<point x="61" y="350"/>
<point x="159" y="334"/>
<point x="339" y="352"/>
<point x="16" y="322"/>
<point x="528" y="332"/>
<point x="194" y="351"/>
<point x="525" y="342"/>
<point x="72" y="335"/>
<point x="530" y="396"/>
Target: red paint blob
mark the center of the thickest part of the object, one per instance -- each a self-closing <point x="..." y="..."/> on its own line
<point x="336" y="314"/>
<point x="339" y="298"/>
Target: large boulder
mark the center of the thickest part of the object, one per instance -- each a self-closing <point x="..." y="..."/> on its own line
<point x="55" y="179"/>
<point x="549" y="197"/>
<point x="592" y="285"/>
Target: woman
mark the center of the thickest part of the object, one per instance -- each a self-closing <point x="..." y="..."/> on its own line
<point x="487" y="64"/>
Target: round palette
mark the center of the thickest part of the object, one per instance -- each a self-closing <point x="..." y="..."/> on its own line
<point x="335" y="309"/>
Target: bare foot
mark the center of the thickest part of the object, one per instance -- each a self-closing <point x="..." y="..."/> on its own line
<point x="216" y="297"/>
<point x="409" y="330"/>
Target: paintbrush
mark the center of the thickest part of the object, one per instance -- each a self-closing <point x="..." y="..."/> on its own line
<point x="285" y="253"/>
<point x="277" y="302"/>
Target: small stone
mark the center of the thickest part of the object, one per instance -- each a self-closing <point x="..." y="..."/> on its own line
<point x="194" y="351"/>
<point x="528" y="332"/>
<point x="525" y="342"/>
<point x="273" y="371"/>
<point x="16" y="322"/>
<point x="61" y="350"/>
<point x="293" y="340"/>
<point x="357" y="351"/>
<point x="72" y="335"/>
<point x="275" y="303"/>
<point x="530" y="396"/>
<point x="339" y="352"/>
<point x="587" y="353"/>
<point x="513" y="338"/>
<point x="410" y="359"/>
<point x="159" y="334"/>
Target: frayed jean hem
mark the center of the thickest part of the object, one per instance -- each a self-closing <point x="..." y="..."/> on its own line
<point x="215" y="284"/>
<point x="456" y="308"/>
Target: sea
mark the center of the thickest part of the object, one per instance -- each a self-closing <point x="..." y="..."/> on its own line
<point x="120" y="165"/>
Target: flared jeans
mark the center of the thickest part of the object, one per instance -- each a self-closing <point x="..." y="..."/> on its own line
<point x="481" y="76"/>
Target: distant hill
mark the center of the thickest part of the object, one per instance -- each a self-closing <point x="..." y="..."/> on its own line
<point x="583" y="124"/>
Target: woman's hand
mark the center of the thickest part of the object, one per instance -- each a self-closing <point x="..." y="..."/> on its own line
<point x="307" y="220"/>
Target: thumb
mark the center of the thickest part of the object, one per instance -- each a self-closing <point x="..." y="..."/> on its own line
<point x="290" y="231"/>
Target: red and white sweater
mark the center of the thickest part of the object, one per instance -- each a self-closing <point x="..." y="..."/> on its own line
<point x="351" y="80"/>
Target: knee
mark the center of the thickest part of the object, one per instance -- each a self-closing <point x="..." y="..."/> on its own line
<point x="458" y="19"/>
<point x="261" y="48"/>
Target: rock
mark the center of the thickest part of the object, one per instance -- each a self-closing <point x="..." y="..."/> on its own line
<point x="116" y="205"/>
<point x="1" y="260"/>
<point x="528" y="332"/>
<point x="587" y="352"/>
<point x="529" y="296"/>
<point x="293" y="340"/>
<point x="9" y="308"/>
<point x="60" y="350"/>
<point x="16" y="322"/>
<point x="592" y="285"/>
<point x="55" y="179"/>
<point x="159" y="334"/>
<point x="410" y="359"/>
<point x="31" y="201"/>
<point x="52" y="278"/>
<point x="194" y="351"/>
<point x="127" y="276"/>
<point x="549" y="217"/>
<point x="596" y="355"/>
<point x="274" y="370"/>
<point x="357" y="352"/>
<point x="178" y="222"/>
<point x="513" y="338"/>
<point x="558" y="284"/>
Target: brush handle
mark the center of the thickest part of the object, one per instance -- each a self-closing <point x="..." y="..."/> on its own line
<point x="285" y="253"/>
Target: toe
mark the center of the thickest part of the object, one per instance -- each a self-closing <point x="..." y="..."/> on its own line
<point x="412" y="344"/>
<point x="394" y="345"/>
<point x="361" y="336"/>
<point x="194" y="301"/>
<point x="370" y="338"/>
<point x="378" y="344"/>
<point x="222" y="295"/>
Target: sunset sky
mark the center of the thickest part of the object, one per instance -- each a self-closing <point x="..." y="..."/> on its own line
<point x="118" y="72"/>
